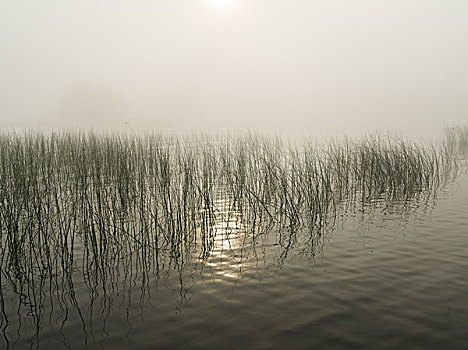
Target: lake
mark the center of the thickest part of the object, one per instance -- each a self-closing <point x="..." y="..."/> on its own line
<point x="380" y="271"/>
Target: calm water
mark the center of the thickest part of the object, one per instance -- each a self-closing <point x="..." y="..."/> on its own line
<point x="385" y="276"/>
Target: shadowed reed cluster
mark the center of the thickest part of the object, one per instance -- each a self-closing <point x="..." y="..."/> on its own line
<point x="456" y="139"/>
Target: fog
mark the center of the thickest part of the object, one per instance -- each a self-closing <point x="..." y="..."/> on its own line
<point x="300" y="66"/>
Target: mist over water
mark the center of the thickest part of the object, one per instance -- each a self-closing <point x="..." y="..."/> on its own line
<point x="231" y="174"/>
<point x="308" y="66"/>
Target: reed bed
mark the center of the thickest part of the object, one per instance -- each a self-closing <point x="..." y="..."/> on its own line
<point x="92" y="202"/>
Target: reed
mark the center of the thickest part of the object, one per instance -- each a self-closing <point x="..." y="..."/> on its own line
<point x="96" y="201"/>
<point x="456" y="139"/>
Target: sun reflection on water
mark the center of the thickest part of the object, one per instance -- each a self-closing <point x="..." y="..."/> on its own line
<point x="225" y="257"/>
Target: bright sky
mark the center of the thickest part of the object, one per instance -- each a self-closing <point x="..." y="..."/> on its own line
<point x="301" y="65"/>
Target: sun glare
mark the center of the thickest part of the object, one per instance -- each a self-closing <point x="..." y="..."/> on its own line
<point x="223" y="6"/>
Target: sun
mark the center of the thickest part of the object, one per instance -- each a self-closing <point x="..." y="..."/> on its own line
<point x="223" y="6"/>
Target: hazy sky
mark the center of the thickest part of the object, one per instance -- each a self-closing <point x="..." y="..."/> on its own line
<point x="287" y="65"/>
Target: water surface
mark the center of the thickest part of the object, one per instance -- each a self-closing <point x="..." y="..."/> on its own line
<point x="385" y="275"/>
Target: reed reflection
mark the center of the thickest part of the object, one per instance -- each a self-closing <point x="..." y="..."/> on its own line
<point x="96" y="228"/>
